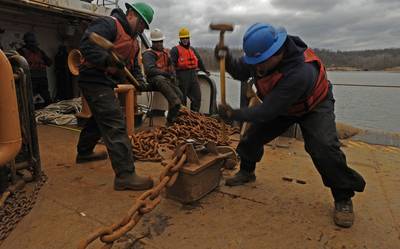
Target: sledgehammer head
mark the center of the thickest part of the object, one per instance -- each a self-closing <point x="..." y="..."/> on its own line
<point x="221" y="26"/>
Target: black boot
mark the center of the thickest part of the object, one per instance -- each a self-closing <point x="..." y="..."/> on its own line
<point x="132" y="181"/>
<point x="93" y="156"/>
<point x="240" y="178"/>
<point x="343" y="214"/>
<point x="173" y="114"/>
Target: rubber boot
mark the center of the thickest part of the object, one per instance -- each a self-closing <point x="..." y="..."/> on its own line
<point x="132" y="181"/>
<point x="173" y="114"/>
<point x="240" y="178"/>
<point x="343" y="215"/>
<point x="93" y="156"/>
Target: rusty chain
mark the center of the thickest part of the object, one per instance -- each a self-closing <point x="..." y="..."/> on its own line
<point x="17" y="206"/>
<point x="144" y="204"/>
<point x="189" y="125"/>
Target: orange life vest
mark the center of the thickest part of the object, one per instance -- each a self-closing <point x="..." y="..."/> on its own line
<point x="34" y="59"/>
<point x="187" y="58"/>
<point x="163" y="62"/>
<point x="124" y="45"/>
<point x="266" y="84"/>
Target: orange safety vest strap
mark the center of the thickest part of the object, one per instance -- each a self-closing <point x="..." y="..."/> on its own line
<point x="124" y="45"/>
<point x="35" y="59"/>
<point x="267" y="83"/>
<point x="186" y="59"/>
<point x="317" y="95"/>
<point x="163" y="62"/>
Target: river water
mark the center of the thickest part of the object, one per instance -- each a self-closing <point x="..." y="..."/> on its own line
<point x="371" y="106"/>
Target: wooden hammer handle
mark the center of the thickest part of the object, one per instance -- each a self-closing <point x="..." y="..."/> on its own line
<point x="222" y="69"/>
<point x="107" y="45"/>
<point x="222" y="80"/>
<point x="254" y="100"/>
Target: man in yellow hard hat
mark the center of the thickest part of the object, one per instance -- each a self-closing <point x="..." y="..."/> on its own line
<point x="160" y="74"/>
<point x="99" y="74"/>
<point x="187" y="61"/>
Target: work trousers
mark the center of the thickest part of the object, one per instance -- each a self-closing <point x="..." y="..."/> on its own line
<point x="41" y="86"/>
<point x="321" y="142"/>
<point x="170" y="90"/>
<point x="190" y="88"/>
<point x="108" y="122"/>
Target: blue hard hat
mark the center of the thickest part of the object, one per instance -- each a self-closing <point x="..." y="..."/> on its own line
<point x="261" y="41"/>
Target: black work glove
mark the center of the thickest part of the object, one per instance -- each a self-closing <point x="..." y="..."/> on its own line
<point x="225" y="111"/>
<point x="220" y="52"/>
<point x="173" y="79"/>
<point x="144" y="86"/>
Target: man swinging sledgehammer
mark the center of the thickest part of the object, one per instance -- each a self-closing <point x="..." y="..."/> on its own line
<point x="292" y="83"/>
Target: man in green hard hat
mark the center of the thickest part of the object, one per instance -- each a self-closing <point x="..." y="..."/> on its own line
<point x="99" y="74"/>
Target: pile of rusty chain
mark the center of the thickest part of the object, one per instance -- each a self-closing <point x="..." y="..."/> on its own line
<point x="189" y="125"/>
<point x="17" y="206"/>
<point x="143" y="205"/>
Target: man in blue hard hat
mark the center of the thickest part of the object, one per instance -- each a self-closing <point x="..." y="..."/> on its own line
<point x="99" y="74"/>
<point x="293" y="86"/>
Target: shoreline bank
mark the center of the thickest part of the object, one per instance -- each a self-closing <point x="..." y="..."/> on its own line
<point x="370" y="136"/>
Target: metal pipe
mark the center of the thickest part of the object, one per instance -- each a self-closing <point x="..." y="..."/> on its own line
<point x="213" y="93"/>
<point x="27" y="107"/>
<point x="10" y="131"/>
<point x="128" y="90"/>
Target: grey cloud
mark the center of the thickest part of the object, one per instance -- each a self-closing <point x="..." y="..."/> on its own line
<point x="395" y="2"/>
<point x="344" y="25"/>
<point x="306" y="5"/>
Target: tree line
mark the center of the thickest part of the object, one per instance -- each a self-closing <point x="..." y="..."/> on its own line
<point x="378" y="59"/>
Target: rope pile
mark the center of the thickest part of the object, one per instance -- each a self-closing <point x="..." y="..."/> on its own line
<point x="189" y="125"/>
<point x="60" y="113"/>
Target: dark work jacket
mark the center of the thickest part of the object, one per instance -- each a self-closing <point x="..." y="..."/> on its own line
<point x="175" y="55"/>
<point x="37" y="68"/>
<point x="150" y="68"/>
<point x="106" y="27"/>
<point x="297" y="82"/>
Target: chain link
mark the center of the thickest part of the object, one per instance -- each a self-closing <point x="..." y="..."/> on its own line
<point x="17" y="206"/>
<point x="189" y="125"/>
<point x="144" y="204"/>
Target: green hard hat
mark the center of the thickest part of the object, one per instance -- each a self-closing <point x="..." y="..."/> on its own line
<point x="144" y="10"/>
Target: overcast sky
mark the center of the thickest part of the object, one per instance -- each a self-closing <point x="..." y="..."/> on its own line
<point x="331" y="24"/>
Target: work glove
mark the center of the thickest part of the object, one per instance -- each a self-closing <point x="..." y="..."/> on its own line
<point x="225" y="111"/>
<point x="174" y="80"/>
<point x="144" y="86"/>
<point x="220" y="52"/>
<point x="207" y="73"/>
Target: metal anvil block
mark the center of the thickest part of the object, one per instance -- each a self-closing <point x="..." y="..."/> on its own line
<point x="200" y="175"/>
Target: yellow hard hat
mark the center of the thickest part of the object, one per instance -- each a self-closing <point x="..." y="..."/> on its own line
<point x="184" y="33"/>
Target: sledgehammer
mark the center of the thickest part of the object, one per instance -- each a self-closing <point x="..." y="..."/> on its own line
<point x="107" y="45"/>
<point x="222" y="28"/>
